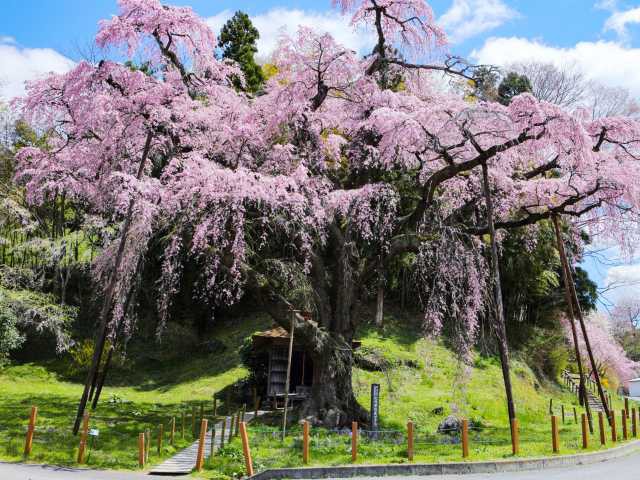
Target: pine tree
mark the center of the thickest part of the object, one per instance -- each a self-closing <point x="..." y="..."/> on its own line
<point x="238" y="42"/>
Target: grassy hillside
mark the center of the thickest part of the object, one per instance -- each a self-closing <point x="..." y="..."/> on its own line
<point x="423" y="382"/>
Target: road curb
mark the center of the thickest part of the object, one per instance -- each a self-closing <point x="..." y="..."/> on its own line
<point x="457" y="468"/>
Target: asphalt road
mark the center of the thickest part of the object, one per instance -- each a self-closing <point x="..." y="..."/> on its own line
<point x="622" y="468"/>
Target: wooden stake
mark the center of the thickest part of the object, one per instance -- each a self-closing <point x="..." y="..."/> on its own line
<point x="287" y="380"/>
<point x="203" y="433"/>
<point x="305" y="442"/>
<point x="626" y="407"/>
<point x="585" y="433"/>
<point x="237" y="429"/>
<point x="147" y="444"/>
<point x="224" y="429"/>
<point x="410" y="440"/>
<point x="603" y="439"/>
<point x="160" y="436"/>
<point x="515" y="437"/>
<point x="244" y="411"/>
<point x="231" y="424"/>
<point x="551" y="406"/>
<point x="183" y="424"/>
<point x="465" y="438"/>
<point x="193" y="421"/>
<point x="213" y="439"/>
<point x="562" y="410"/>
<point x="201" y="413"/>
<point x="555" y="440"/>
<point x="634" y="423"/>
<point x="28" y="444"/>
<point x="354" y="441"/>
<point x="215" y="406"/>
<point x="625" y="434"/>
<point x="256" y="407"/>
<point x="141" y="450"/>
<point x="83" y="438"/>
<point x="575" y="415"/>
<point x="246" y="450"/>
<point x="172" y="433"/>
<point x="612" y="421"/>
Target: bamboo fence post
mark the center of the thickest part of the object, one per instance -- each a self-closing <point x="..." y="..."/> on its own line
<point x="354" y="441"/>
<point x="147" y="444"/>
<point x="554" y="434"/>
<point x="515" y="437"/>
<point x="305" y="442"/>
<point x="141" y="450"/>
<point x="562" y="410"/>
<point x="585" y="433"/>
<point x="246" y="450"/>
<point x="625" y="433"/>
<point x="203" y="433"/>
<point x="634" y="423"/>
<point x="172" y="433"/>
<point x="213" y="439"/>
<point x="614" y="433"/>
<point x="83" y="438"/>
<point x="28" y="444"/>
<point x="224" y="428"/>
<point x="410" y="441"/>
<point x="603" y="440"/>
<point x="465" y="438"/>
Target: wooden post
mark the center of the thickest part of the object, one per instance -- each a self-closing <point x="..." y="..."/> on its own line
<point x="213" y="439"/>
<point x="28" y="444"/>
<point x="141" y="450"/>
<point x="215" y="406"/>
<point x="172" y="433"/>
<point x="515" y="437"/>
<point x="222" y="432"/>
<point x="625" y="433"/>
<point x="193" y="421"/>
<point x="244" y="410"/>
<point x="354" y="441"/>
<point x="201" y="413"/>
<point x="603" y="440"/>
<point x="287" y="380"/>
<point x="147" y="444"/>
<point x="626" y="407"/>
<point x="555" y="440"/>
<point x="410" y="440"/>
<point x="256" y="408"/>
<point x="231" y="423"/>
<point x="160" y="436"/>
<point x="183" y="424"/>
<point x="83" y="438"/>
<point x="465" y="438"/>
<point x="551" y="406"/>
<point x="237" y="430"/>
<point x="246" y="450"/>
<point x="634" y="423"/>
<point x="575" y="415"/>
<point x="612" y="421"/>
<point x="203" y="434"/>
<point x="585" y="433"/>
<point x="562" y="410"/>
<point x="305" y="442"/>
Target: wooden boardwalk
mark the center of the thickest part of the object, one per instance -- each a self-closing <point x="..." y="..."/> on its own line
<point x="184" y="462"/>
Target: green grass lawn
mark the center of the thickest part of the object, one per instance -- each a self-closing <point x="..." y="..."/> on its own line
<point x="425" y="385"/>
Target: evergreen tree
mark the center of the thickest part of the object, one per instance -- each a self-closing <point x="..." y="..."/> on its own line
<point x="512" y="85"/>
<point x="238" y="42"/>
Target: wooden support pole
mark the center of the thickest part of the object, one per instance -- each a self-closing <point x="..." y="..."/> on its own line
<point x="410" y="440"/>
<point x="555" y="440"/>
<point x="201" y="413"/>
<point x="625" y="433"/>
<point x="305" y="442"/>
<point x="160" y="437"/>
<point x="246" y="450"/>
<point x="222" y="432"/>
<point x="200" y="455"/>
<point x="288" y="378"/>
<point x="575" y="415"/>
<point x="183" y="424"/>
<point x="215" y="406"/>
<point x="612" y="421"/>
<point x="212" y="450"/>
<point x="147" y="444"/>
<point x="244" y="412"/>
<point x="551" y="406"/>
<point x="172" y="432"/>
<point x="354" y="441"/>
<point x="626" y="407"/>
<point x="585" y="433"/>
<point x="465" y="438"/>
<point x="193" y="420"/>
<point x="83" y="438"/>
<point x="231" y="424"/>
<point x="515" y="437"/>
<point x="141" y="450"/>
<point x="237" y="429"/>
<point x="634" y="423"/>
<point x="28" y="444"/>
<point x="603" y="438"/>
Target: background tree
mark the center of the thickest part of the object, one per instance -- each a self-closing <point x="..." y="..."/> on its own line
<point x="512" y="85"/>
<point x="238" y="42"/>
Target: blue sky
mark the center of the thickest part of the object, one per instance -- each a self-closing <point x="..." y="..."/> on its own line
<point x="600" y="37"/>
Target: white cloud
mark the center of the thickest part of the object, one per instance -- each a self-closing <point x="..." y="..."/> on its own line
<point x="278" y="20"/>
<point x="468" y="18"/>
<point x="18" y="65"/>
<point x="619" y="20"/>
<point x="624" y="280"/>
<point x="610" y="63"/>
